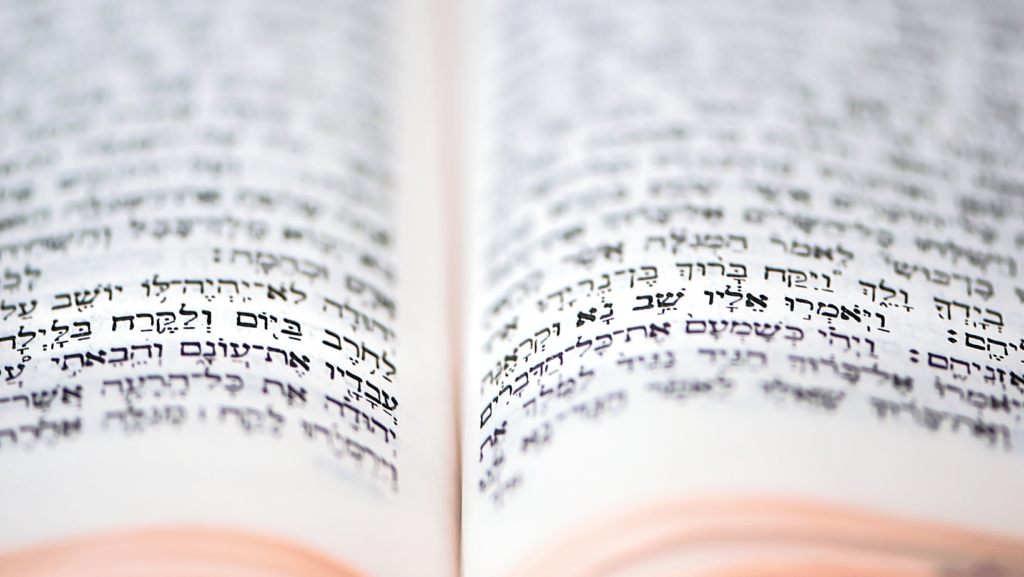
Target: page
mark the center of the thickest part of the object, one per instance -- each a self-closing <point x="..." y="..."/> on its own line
<point x="732" y="250"/>
<point x="219" y="230"/>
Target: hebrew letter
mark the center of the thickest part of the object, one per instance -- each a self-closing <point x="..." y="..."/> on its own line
<point x="129" y="318"/>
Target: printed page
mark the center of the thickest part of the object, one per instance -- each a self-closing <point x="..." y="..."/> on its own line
<point x="741" y="249"/>
<point x="219" y="230"/>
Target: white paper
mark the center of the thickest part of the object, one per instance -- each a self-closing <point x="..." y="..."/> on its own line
<point x="216" y="268"/>
<point x="741" y="248"/>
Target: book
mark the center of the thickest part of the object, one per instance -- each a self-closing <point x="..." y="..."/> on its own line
<point x="563" y="288"/>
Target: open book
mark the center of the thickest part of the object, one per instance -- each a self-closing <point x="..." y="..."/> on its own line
<point x="511" y="288"/>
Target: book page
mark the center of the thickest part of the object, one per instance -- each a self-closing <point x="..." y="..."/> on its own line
<point x="219" y="306"/>
<point x="741" y="249"/>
